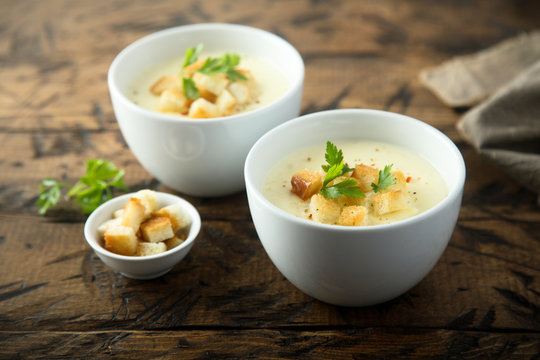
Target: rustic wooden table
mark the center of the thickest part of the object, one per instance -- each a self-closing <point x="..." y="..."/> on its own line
<point x="226" y="299"/>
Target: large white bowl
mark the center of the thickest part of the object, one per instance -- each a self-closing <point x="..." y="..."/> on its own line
<point x="354" y="266"/>
<point x="201" y="157"/>
<point x="140" y="267"/>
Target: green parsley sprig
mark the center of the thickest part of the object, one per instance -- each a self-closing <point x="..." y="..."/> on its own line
<point x="211" y="66"/>
<point x="90" y="191"/>
<point x="348" y="187"/>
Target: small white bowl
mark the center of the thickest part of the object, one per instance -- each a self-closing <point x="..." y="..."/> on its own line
<point x="140" y="267"/>
<point x="201" y="157"/>
<point x="354" y="266"/>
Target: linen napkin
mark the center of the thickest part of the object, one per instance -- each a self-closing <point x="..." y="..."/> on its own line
<point x="504" y="84"/>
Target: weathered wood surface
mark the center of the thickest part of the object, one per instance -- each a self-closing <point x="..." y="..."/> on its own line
<point x="226" y="300"/>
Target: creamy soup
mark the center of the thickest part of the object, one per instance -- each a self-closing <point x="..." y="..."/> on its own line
<point x="270" y="82"/>
<point x="424" y="185"/>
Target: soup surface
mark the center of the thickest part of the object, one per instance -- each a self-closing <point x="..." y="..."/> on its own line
<point x="424" y="185"/>
<point x="270" y="83"/>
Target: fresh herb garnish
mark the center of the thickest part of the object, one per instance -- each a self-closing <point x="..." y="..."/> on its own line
<point x="336" y="168"/>
<point x="348" y="187"/>
<point x="92" y="189"/>
<point x="386" y="178"/>
<point x="211" y="66"/>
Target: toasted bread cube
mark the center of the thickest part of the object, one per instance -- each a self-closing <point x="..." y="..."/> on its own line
<point x="133" y="214"/>
<point x="191" y="68"/>
<point x="352" y="216"/>
<point x="173" y="242"/>
<point x="215" y="83"/>
<point x="401" y="182"/>
<point x="390" y="201"/>
<point x="225" y="102"/>
<point x="149" y="200"/>
<point x="167" y="82"/>
<point x="156" y="229"/>
<point x="202" y="109"/>
<point x="121" y="240"/>
<point x="240" y="92"/>
<point x="147" y="248"/>
<point x="306" y="183"/>
<point x="324" y="210"/>
<point x="111" y="222"/>
<point x="173" y="101"/>
<point x="365" y="176"/>
<point x="177" y="216"/>
<point x="118" y="213"/>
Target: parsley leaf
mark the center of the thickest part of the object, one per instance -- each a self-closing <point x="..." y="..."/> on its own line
<point x="386" y="178"/>
<point x="348" y="187"/>
<point x="50" y="191"/>
<point x="192" y="55"/>
<point x="92" y="189"/>
<point x="190" y="89"/>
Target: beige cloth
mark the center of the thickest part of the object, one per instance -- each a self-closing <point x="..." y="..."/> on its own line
<point x="505" y="127"/>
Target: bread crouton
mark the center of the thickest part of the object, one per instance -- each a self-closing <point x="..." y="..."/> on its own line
<point x="167" y="82"/>
<point x="118" y="213"/>
<point x="172" y="100"/>
<point x="191" y="68"/>
<point x="365" y="175"/>
<point x="214" y="84"/>
<point x="146" y="248"/>
<point x="111" y="222"/>
<point x="133" y="214"/>
<point x="306" y="183"/>
<point x="149" y="200"/>
<point x="388" y="202"/>
<point x="225" y="103"/>
<point x="157" y="229"/>
<point x="121" y="240"/>
<point x="352" y="216"/>
<point x="323" y="210"/>
<point x="175" y="213"/>
<point x="202" y="109"/>
<point x="173" y="242"/>
<point x="240" y="92"/>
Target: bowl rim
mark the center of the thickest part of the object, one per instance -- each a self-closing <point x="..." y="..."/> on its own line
<point x="194" y="230"/>
<point x="295" y="85"/>
<point x="453" y="193"/>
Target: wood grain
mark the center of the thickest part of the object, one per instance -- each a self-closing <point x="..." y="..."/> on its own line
<point x="225" y="299"/>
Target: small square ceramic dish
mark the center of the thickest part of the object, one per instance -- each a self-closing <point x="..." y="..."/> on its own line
<point x="201" y="157"/>
<point x="140" y="267"/>
<point x="355" y="265"/>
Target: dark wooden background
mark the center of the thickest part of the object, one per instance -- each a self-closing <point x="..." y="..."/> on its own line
<point x="226" y="300"/>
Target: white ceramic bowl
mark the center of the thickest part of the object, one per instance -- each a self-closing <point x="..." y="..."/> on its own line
<point x="201" y="157"/>
<point x="354" y="266"/>
<point x="140" y="267"/>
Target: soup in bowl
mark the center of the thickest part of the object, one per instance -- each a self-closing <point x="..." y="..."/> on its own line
<point x="312" y="239"/>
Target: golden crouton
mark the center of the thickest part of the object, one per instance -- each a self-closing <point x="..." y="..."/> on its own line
<point x="240" y="91"/>
<point x="365" y="175"/>
<point x="225" y="103"/>
<point x="175" y="213"/>
<point x="352" y="216"/>
<point x="121" y="240"/>
<point x="118" y="213"/>
<point x="323" y="210"/>
<point x="133" y="214"/>
<point x="173" y="242"/>
<point x="305" y="183"/>
<point x="191" y="68"/>
<point x="214" y="84"/>
<point x="167" y="82"/>
<point x="388" y="202"/>
<point x="111" y="222"/>
<point x="172" y="100"/>
<point x="157" y="229"/>
<point x="146" y="248"/>
<point x="149" y="200"/>
<point x="202" y="109"/>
